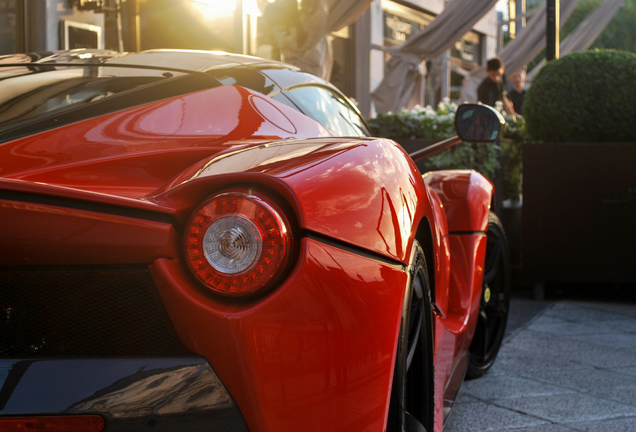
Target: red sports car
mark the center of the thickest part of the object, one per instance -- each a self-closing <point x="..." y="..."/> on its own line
<point x="203" y="241"/>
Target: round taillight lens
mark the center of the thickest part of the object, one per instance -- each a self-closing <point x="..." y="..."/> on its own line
<point x="238" y="243"/>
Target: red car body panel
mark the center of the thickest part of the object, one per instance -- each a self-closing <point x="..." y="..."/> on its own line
<point x="78" y="237"/>
<point x="366" y="176"/>
<point x="133" y="152"/>
<point x="466" y="196"/>
<point x="305" y="356"/>
<point x="276" y="355"/>
<point x="461" y="200"/>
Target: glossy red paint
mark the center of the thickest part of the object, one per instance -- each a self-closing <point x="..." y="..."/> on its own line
<point x="53" y="235"/>
<point x="305" y="356"/>
<point x="441" y="252"/>
<point x="133" y="152"/>
<point x="466" y="197"/>
<point x="454" y="332"/>
<point x="274" y="354"/>
<point x="317" y="353"/>
<point x="461" y="201"/>
<point x="366" y="174"/>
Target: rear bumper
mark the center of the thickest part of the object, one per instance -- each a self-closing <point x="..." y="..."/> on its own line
<point x="165" y="394"/>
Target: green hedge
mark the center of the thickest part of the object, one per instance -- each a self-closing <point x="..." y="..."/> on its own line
<point x="587" y="96"/>
<point x="439" y="124"/>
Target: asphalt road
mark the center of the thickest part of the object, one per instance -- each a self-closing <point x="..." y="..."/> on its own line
<point x="567" y="364"/>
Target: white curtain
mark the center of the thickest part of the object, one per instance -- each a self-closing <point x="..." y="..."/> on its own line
<point x="586" y="32"/>
<point x="404" y="68"/>
<point x="315" y="54"/>
<point x="517" y="53"/>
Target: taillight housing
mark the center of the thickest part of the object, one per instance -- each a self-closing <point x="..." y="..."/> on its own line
<point x="238" y="243"/>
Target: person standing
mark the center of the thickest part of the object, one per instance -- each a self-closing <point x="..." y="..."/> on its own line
<point x="517" y="94"/>
<point x="492" y="88"/>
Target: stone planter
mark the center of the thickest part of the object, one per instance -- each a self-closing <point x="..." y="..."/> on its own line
<point x="579" y="212"/>
<point x="510" y="214"/>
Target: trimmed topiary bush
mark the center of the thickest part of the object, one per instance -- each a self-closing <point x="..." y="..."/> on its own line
<point x="584" y="97"/>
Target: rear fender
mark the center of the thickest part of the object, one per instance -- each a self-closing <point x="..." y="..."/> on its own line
<point x="358" y="204"/>
<point x="363" y="192"/>
<point x="466" y="196"/>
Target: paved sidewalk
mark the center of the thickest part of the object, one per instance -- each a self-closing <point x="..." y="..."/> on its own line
<point x="571" y="367"/>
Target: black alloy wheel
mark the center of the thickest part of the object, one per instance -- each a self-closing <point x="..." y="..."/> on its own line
<point x="495" y="301"/>
<point x="412" y="394"/>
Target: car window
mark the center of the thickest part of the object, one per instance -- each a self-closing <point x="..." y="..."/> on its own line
<point x="329" y="109"/>
<point x="38" y="94"/>
<point x="48" y="97"/>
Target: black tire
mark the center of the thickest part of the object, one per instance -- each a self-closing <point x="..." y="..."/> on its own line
<point x="495" y="302"/>
<point x="412" y="394"/>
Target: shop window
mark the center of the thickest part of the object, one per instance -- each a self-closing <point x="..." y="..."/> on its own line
<point x="9" y="27"/>
<point x="402" y="23"/>
<point x="342" y="70"/>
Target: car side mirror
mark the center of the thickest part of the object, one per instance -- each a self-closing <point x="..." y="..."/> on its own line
<point x="478" y="123"/>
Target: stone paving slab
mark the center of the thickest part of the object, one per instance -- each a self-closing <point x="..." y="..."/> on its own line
<point x="486" y="417"/>
<point x="623" y="341"/>
<point x="561" y="328"/>
<point x="550" y="427"/>
<point x="586" y="312"/>
<point x="625" y="371"/>
<point x="614" y="425"/>
<point x="573" y="350"/>
<point x="524" y="364"/>
<point x="568" y="407"/>
<point x="572" y="367"/>
<point x="490" y="388"/>
<point x="594" y="381"/>
<point x="626" y="309"/>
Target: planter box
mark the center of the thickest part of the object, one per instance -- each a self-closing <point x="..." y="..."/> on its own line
<point x="579" y="212"/>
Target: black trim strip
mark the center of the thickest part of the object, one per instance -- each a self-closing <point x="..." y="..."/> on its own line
<point x="466" y="232"/>
<point x="206" y="402"/>
<point x="85" y="205"/>
<point x="357" y="250"/>
<point x="51" y="66"/>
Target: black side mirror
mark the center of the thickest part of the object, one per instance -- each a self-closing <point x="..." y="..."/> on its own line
<point x="478" y="123"/>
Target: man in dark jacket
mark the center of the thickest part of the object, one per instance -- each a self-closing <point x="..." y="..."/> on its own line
<point x="492" y="88"/>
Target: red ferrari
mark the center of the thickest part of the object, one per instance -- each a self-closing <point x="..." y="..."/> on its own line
<point x="198" y="240"/>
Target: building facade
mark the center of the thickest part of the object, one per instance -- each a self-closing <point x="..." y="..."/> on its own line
<point x="249" y="27"/>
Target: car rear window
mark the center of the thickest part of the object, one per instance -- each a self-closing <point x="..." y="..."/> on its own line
<point x="329" y="109"/>
<point x="31" y="97"/>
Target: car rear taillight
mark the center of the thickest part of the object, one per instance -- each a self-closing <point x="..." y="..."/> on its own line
<point x="90" y="423"/>
<point x="238" y="243"/>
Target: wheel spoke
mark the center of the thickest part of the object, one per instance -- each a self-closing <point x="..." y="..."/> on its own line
<point x="481" y="336"/>
<point x="414" y="341"/>
<point x="486" y="321"/>
<point x="415" y="319"/>
<point x="412" y="425"/>
<point x="493" y="252"/>
<point x="493" y="315"/>
<point x="412" y="394"/>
